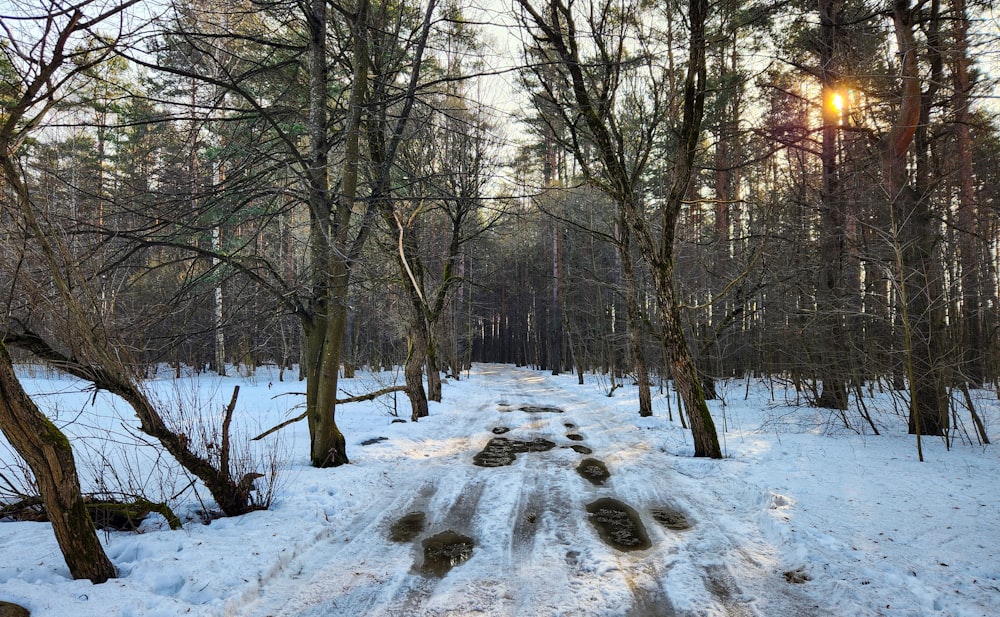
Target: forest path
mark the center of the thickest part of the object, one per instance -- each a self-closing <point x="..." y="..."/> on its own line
<point x="536" y="552"/>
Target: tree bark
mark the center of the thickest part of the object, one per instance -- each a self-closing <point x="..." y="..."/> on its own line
<point x="555" y="310"/>
<point x="50" y="457"/>
<point x="231" y="499"/>
<point x="329" y="219"/>
<point x="433" y="367"/>
<point x="324" y="338"/>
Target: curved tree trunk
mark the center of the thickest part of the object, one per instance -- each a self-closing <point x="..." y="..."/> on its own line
<point x="231" y="497"/>
<point x="106" y="368"/>
<point x="48" y="453"/>
<point x="622" y="182"/>
<point x="706" y="439"/>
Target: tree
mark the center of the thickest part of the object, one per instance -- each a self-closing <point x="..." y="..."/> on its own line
<point x="597" y="92"/>
<point x="443" y="167"/>
<point x="43" y="62"/>
<point x="309" y="99"/>
<point x="914" y="238"/>
<point x="49" y="455"/>
<point x="973" y="339"/>
<point x="831" y="288"/>
<point x="48" y="270"/>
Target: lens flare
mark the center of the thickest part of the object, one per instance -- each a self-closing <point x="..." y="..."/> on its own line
<point x="837" y="102"/>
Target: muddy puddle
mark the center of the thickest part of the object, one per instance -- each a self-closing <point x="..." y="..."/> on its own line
<point x="444" y="551"/>
<point x="671" y="518"/>
<point x="408" y="527"/>
<point x="539" y="409"/>
<point x="618" y="525"/>
<point x="501" y="451"/>
<point x="569" y="425"/>
<point x="593" y="470"/>
<point x="500" y="430"/>
<point x="580" y="449"/>
<point x="574" y="437"/>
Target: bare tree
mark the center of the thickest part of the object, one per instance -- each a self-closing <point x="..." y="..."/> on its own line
<point x="602" y="105"/>
<point x="50" y="49"/>
<point x="914" y="238"/>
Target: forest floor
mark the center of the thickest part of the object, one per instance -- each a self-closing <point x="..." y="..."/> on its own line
<point x="519" y="474"/>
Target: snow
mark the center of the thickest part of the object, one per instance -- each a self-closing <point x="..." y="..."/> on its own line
<point x="802" y="517"/>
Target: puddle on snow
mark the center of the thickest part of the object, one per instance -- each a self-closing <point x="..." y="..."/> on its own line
<point x="569" y="425"/>
<point x="408" y="527"/>
<point x="593" y="470"/>
<point x="574" y="437"/>
<point x="501" y="451"/>
<point x="444" y="551"/>
<point x="618" y="525"/>
<point x="500" y="430"/>
<point x="671" y="518"/>
<point x="580" y="449"/>
<point x="539" y="409"/>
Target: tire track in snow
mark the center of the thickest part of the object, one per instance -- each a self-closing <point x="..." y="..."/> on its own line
<point x="536" y="553"/>
<point x="711" y="552"/>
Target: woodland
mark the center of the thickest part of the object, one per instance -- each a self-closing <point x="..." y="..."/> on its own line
<point x="663" y="192"/>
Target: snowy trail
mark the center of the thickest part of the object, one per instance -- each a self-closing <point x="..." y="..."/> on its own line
<point x="802" y="518"/>
<point x="536" y="552"/>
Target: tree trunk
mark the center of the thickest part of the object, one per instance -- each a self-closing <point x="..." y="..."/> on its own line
<point x="110" y="370"/>
<point x="460" y="324"/>
<point x="324" y="339"/>
<point x="329" y="221"/>
<point x="972" y="331"/>
<point x="555" y="310"/>
<point x="433" y="369"/>
<point x="623" y="183"/>
<point x="50" y="457"/>
<point x="833" y="361"/>
<point x="706" y="439"/>
<point x="915" y="240"/>
<point x="413" y="371"/>
<point x="635" y="330"/>
<point x="218" y="315"/>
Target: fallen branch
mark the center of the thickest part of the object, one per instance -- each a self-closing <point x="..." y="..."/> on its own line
<point x="339" y="401"/>
<point x="112" y="514"/>
<point x="128" y="516"/>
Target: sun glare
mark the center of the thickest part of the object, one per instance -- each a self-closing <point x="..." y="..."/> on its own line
<point x="837" y="102"/>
